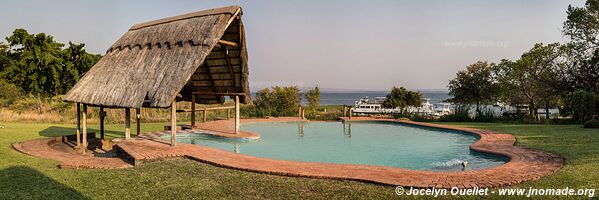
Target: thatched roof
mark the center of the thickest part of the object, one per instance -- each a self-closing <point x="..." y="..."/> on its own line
<point x="201" y="53"/>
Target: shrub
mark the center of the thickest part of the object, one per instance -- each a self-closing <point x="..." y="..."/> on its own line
<point x="593" y="123"/>
<point x="30" y="103"/>
<point x="461" y="114"/>
<point x="316" y="115"/>
<point x="9" y="93"/>
<point x="485" y="115"/>
<point x="57" y="104"/>
<point x="583" y="104"/>
<point x="421" y="118"/>
<point x="280" y="101"/>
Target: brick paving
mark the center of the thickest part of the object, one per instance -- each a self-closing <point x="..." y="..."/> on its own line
<point x="525" y="164"/>
<point x="49" y="148"/>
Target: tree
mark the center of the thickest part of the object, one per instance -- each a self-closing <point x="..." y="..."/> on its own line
<point x="280" y="101"/>
<point x="77" y="62"/>
<point x="582" y="26"/>
<point x="584" y="105"/>
<point x="584" y="73"/>
<point x="475" y="85"/>
<point x="40" y="66"/>
<point x="534" y="76"/>
<point x="313" y="97"/>
<point x="582" y="68"/>
<point x="402" y="98"/>
<point x="4" y="57"/>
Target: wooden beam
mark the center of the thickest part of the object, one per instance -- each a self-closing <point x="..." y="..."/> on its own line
<point x="236" y="114"/>
<point x="204" y="116"/>
<point x="230" y="68"/>
<point x="174" y="122"/>
<point x="78" y="132"/>
<point x="138" y="121"/>
<point x="84" y="136"/>
<point x="193" y="111"/>
<point x="235" y="15"/>
<point x="220" y="93"/>
<point x="127" y="123"/>
<point x="102" y="116"/>
<point x="202" y="109"/>
<point x="227" y="43"/>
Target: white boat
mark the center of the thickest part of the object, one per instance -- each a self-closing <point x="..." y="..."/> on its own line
<point x="443" y="109"/>
<point x="365" y="106"/>
<point x="425" y="109"/>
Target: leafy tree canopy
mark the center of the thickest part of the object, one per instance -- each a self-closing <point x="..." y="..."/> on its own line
<point x="475" y="85"/>
<point x="402" y="98"/>
<point x="278" y="101"/>
<point x="40" y="66"/>
<point x="313" y="97"/>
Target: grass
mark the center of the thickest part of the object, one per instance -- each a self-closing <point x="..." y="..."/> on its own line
<point x="27" y="177"/>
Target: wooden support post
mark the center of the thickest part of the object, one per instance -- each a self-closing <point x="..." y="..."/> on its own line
<point x="174" y="122"/>
<point x="193" y="111"/>
<point x="127" y="123"/>
<point x="303" y="113"/>
<point x="236" y="114"/>
<point x="78" y="132"/>
<point x="299" y="111"/>
<point x="351" y="112"/>
<point x="204" y="116"/>
<point x="228" y="113"/>
<point x="102" y="116"/>
<point x="84" y="136"/>
<point x="138" y="121"/>
<point x="344" y="111"/>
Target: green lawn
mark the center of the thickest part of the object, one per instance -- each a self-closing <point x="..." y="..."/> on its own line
<point x="23" y="176"/>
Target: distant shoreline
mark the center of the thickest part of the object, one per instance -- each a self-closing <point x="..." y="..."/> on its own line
<point x="348" y="98"/>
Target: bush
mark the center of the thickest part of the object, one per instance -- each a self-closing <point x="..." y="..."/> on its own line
<point x="593" y="123"/>
<point x="30" y="103"/>
<point x="57" y="104"/>
<point x="584" y="104"/>
<point x="461" y="114"/>
<point x="278" y="102"/>
<point x="316" y="115"/>
<point x="9" y="93"/>
<point x="485" y="115"/>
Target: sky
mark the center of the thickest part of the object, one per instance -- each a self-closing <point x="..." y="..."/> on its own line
<point x="335" y="44"/>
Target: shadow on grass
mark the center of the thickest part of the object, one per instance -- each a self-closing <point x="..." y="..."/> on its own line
<point x="57" y="131"/>
<point x="26" y="183"/>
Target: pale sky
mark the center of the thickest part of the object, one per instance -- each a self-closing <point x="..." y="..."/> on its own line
<point x="370" y="45"/>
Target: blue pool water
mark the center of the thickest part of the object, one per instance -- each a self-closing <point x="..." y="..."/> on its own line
<point x="370" y="143"/>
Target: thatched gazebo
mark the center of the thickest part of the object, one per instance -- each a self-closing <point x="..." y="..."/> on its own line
<point x="199" y="57"/>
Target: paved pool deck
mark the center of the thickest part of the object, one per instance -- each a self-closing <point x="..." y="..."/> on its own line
<point x="525" y="164"/>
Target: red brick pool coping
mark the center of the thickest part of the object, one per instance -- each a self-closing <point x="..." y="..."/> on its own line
<point x="525" y="164"/>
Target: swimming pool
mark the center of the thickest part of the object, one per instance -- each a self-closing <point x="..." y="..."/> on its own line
<point x="369" y="143"/>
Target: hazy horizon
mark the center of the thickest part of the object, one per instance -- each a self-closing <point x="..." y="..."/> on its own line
<point x="342" y="45"/>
